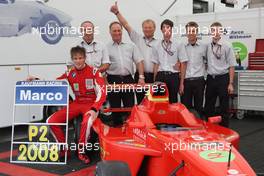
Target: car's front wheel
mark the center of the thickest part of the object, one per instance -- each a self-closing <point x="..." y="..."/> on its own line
<point x="112" y="168"/>
<point x="51" y="30"/>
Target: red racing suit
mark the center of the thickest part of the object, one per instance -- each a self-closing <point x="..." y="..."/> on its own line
<point x="90" y="93"/>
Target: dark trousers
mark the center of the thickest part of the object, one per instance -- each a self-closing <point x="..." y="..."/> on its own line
<point x="149" y="78"/>
<point x="194" y="94"/>
<point x="172" y="82"/>
<point x="216" y="86"/>
<point x="124" y="96"/>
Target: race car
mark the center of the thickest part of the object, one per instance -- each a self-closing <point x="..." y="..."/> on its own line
<point x="19" y="17"/>
<point x="162" y="139"/>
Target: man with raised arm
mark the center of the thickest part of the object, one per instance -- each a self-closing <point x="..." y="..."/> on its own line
<point x="144" y="43"/>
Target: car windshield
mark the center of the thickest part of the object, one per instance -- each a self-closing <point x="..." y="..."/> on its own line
<point x="3" y="2"/>
<point x="176" y="127"/>
<point x="189" y="128"/>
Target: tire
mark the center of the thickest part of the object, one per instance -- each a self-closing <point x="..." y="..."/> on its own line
<point x="198" y="115"/>
<point x="112" y="119"/>
<point x="240" y="114"/>
<point x="92" y="139"/>
<point x="52" y="22"/>
<point x="76" y="125"/>
<point x="49" y="110"/>
<point x="112" y="168"/>
<point x="195" y="113"/>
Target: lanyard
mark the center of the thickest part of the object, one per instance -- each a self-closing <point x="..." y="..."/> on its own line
<point x="167" y="47"/>
<point x="147" y="42"/>
<point x="92" y="51"/>
<point x="216" y="53"/>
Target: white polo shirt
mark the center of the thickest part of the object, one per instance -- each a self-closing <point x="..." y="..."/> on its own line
<point x="96" y="53"/>
<point x="145" y="47"/>
<point x="220" y="57"/>
<point x="123" y="56"/>
<point x="197" y="59"/>
<point x="167" y="55"/>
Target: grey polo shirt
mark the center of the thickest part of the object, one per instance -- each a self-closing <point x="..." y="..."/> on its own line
<point x="123" y="56"/>
<point x="96" y="54"/>
<point x="197" y="58"/>
<point x="220" y="58"/>
<point x="145" y="47"/>
<point x="168" y="59"/>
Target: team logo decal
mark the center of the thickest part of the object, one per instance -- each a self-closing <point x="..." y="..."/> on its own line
<point x="94" y="71"/>
<point x="76" y="86"/>
<point x="73" y="74"/>
<point x="89" y="83"/>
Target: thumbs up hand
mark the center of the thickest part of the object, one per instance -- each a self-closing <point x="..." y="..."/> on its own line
<point x="114" y="8"/>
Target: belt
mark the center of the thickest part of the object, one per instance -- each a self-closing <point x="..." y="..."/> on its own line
<point x="218" y="76"/>
<point x="168" y="72"/>
<point x="194" y="78"/>
<point x="147" y="73"/>
<point x="120" y="76"/>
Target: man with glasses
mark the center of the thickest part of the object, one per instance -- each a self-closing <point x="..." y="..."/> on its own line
<point x="167" y="53"/>
<point x="220" y="78"/>
<point x="97" y="54"/>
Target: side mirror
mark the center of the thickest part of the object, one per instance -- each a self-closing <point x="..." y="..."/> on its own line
<point x="215" y="119"/>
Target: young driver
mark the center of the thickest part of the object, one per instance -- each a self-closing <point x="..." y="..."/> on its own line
<point x="90" y="93"/>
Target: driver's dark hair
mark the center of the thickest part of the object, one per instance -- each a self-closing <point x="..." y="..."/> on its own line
<point x="78" y="49"/>
<point x="191" y="24"/>
<point x="115" y="22"/>
<point x="166" y="22"/>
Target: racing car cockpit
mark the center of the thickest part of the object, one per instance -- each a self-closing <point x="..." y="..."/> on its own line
<point x="155" y="111"/>
<point x="163" y="115"/>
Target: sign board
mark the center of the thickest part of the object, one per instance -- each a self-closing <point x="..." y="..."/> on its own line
<point x="41" y="92"/>
<point x="37" y="148"/>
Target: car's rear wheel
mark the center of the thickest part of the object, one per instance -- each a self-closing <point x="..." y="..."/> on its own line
<point x="240" y="114"/>
<point x="112" y="168"/>
<point x="51" y="29"/>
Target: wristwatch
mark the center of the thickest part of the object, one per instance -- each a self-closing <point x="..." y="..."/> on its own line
<point x="141" y="77"/>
